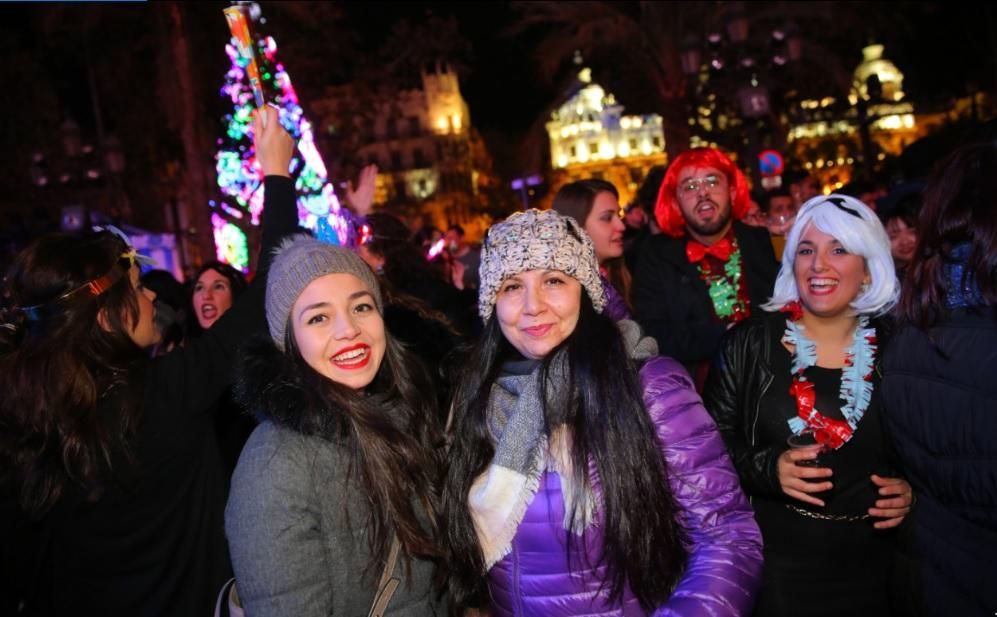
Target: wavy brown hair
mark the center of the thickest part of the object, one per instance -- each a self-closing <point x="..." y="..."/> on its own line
<point x="960" y="202"/>
<point x="55" y="369"/>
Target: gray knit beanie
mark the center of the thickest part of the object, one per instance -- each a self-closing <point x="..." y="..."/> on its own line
<point x="298" y="261"/>
<point x="537" y="240"/>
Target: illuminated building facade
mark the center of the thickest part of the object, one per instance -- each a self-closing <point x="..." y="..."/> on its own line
<point x="591" y="138"/>
<point x="429" y="157"/>
<point x="829" y="142"/>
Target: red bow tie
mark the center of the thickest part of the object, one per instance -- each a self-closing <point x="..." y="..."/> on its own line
<point x="696" y="251"/>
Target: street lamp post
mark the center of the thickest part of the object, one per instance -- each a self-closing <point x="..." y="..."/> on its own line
<point x="72" y="141"/>
<point x="523" y="186"/>
<point x="114" y="164"/>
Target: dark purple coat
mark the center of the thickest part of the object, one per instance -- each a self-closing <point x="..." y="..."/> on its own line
<point x="616" y="306"/>
<point x="725" y="550"/>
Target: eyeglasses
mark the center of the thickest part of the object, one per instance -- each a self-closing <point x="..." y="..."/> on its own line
<point x="693" y="185"/>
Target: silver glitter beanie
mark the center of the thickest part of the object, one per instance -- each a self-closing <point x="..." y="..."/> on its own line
<point x="298" y="261"/>
<point x="537" y="240"/>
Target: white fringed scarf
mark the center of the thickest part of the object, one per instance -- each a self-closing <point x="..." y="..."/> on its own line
<point x="500" y="496"/>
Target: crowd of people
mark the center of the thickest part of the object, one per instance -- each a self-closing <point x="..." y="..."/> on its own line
<point x="706" y="402"/>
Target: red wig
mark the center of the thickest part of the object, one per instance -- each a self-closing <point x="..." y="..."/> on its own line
<point x="666" y="209"/>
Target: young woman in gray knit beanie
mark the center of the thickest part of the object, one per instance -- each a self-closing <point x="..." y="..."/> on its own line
<point x="584" y="477"/>
<point x="342" y="469"/>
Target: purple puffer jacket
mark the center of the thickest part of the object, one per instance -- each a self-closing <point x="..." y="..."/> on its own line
<point x="616" y="306"/>
<point x="725" y="551"/>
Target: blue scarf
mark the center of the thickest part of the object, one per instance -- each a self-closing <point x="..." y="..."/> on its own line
<point x="963" y="291"/>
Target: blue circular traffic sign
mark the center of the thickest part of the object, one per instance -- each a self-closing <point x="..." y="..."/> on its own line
<point x="770" y="163"/>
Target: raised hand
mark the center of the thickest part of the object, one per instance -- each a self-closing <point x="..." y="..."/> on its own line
<point x="274" y="146"/>
<point x="361" y="197"/>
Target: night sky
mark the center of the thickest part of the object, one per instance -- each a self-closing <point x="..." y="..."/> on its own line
<point x="939" y="46"/>
<point x="504" y="91"/>
<point x="942" y="49"/>
<point x="502" y="87"/>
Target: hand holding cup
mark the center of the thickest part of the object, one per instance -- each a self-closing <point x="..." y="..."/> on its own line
<point x="800" y="470"/>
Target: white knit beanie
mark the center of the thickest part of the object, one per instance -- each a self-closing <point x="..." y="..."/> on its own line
<point x="537" y="240"/>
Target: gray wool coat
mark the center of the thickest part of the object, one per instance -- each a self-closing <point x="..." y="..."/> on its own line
<point x="293" y="551"/>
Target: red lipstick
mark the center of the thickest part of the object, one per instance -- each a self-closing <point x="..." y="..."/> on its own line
<point x="353" y="357"/>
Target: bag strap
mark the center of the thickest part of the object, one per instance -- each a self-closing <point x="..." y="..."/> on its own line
<point x="388" y="584"/>
<point x="224" y="599"/>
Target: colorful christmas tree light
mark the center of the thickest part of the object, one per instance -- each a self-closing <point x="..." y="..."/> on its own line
<point x="238" y="172"/>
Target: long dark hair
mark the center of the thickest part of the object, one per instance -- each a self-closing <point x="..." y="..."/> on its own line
<point x="959" y="207"/>
<point x="57" y="366"/>
<point x="576" y="200"/>
<point x="643" y="541"/>
<point x="395" y="442"/>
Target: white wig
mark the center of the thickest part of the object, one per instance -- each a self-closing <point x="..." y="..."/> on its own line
<point x="859" y="231"/>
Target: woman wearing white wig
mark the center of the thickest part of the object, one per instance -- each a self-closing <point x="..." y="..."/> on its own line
<point x="807" y="371"/>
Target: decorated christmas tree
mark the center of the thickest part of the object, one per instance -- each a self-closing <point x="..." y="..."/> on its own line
<point x="238" y="173"/>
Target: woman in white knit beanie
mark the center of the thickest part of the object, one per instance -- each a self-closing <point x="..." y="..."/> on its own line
<point x="584" y="476"/>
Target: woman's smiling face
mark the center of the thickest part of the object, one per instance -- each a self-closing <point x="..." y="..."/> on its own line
<point x="537" y="310"/>
<point x="338" y="329"/>
<point x="828" y="277"/>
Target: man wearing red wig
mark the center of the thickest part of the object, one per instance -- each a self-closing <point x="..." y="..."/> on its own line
<point x="707" y="270"/>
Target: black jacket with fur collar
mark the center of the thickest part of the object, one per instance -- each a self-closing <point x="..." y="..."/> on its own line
<point x="269" y="385"/>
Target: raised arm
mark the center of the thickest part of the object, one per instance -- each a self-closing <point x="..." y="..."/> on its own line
<point x="361" y="196"/>
<point x="274" y="149"/>
<point x="201" y="372"/>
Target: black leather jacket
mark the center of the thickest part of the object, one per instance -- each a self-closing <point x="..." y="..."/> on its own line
<point x="741" y="374"/>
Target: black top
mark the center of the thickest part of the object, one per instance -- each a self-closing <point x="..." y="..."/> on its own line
<point x="154" y="543"/>
<point x="812" y="566"/>
<point x="818" y="567"/>
<point x="864" y="454"/>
